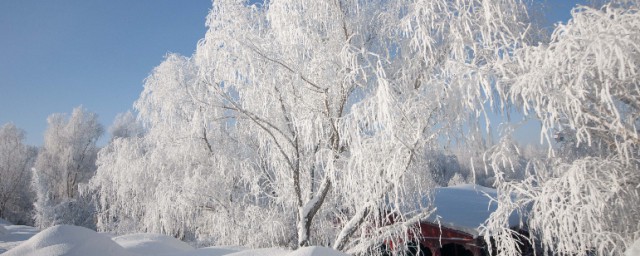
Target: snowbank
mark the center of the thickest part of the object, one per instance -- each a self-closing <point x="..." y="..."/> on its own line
<point x="68" y="240"/>
<point x="152" y="244"/>
<point x="262" y="252"/>
<point x="73" y="240"/>
<point x="14" y="235"/>
<point x="305" y="251"/>
<point x="210" y="251"/>
<point x="316" y="251"/>
<point x="634" y="250"/>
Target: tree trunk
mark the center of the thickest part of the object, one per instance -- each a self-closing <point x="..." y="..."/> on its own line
<point x="309" y="210"/>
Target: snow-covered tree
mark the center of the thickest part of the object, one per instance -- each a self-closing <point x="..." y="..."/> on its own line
<point x="583" y="83"/>
<point x="171" y="180"/>
<point x="348" y="92"/>
<point x="66" y="159"/>
<point x="308" y="114"/>
<point x="125" y="125"/>
<point x="16" y="160"/>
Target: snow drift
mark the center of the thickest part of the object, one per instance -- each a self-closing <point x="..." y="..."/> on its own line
<point x="316" y="251"/>
<point x="68" y="240"/>
<point x="261" y="252"/>
<point x="634" y="249"/>
<point x="152" y="244"/>
<point x="13" y="235"/>
<point x="73" y="240"/>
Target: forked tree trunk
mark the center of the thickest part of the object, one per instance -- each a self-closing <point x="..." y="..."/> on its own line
<point x="306" y="213"/>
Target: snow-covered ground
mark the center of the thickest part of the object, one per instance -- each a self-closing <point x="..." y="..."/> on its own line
<point x="21" y="240"/>
<point x="12" y="235"/>
<point x="16" y="240"/>
<point x="634" y="249"/>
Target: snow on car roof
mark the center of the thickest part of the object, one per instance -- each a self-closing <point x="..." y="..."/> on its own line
<point x="465" y="207"/>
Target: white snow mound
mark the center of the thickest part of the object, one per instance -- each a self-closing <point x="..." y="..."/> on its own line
<point x="68" y="240"/>
<point x="634" y="250"/>
<point x="152" y="244"/>
<point x="261" y="252"/>
<point x="305" y="251"/>
<point x="210" y="251"/>
<point x="14" y="235"/>
<point x="316" y="251"/>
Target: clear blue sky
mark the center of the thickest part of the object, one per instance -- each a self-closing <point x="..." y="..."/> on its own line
<point x="56" y="55"/>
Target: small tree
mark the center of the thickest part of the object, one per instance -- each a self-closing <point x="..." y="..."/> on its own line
<point x="16" y="160"/>
<point x="66" y="159"/>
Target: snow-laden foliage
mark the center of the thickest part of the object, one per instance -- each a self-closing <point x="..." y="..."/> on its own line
<point x="305" y="120"/>
<point x="585" y="79"/>
<point x="125" y="125"/>
<point x="584" y="84"/>
<point x="180" y="178"/>
<point x="66" y="159"/>
<point x="16" y="160"/>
